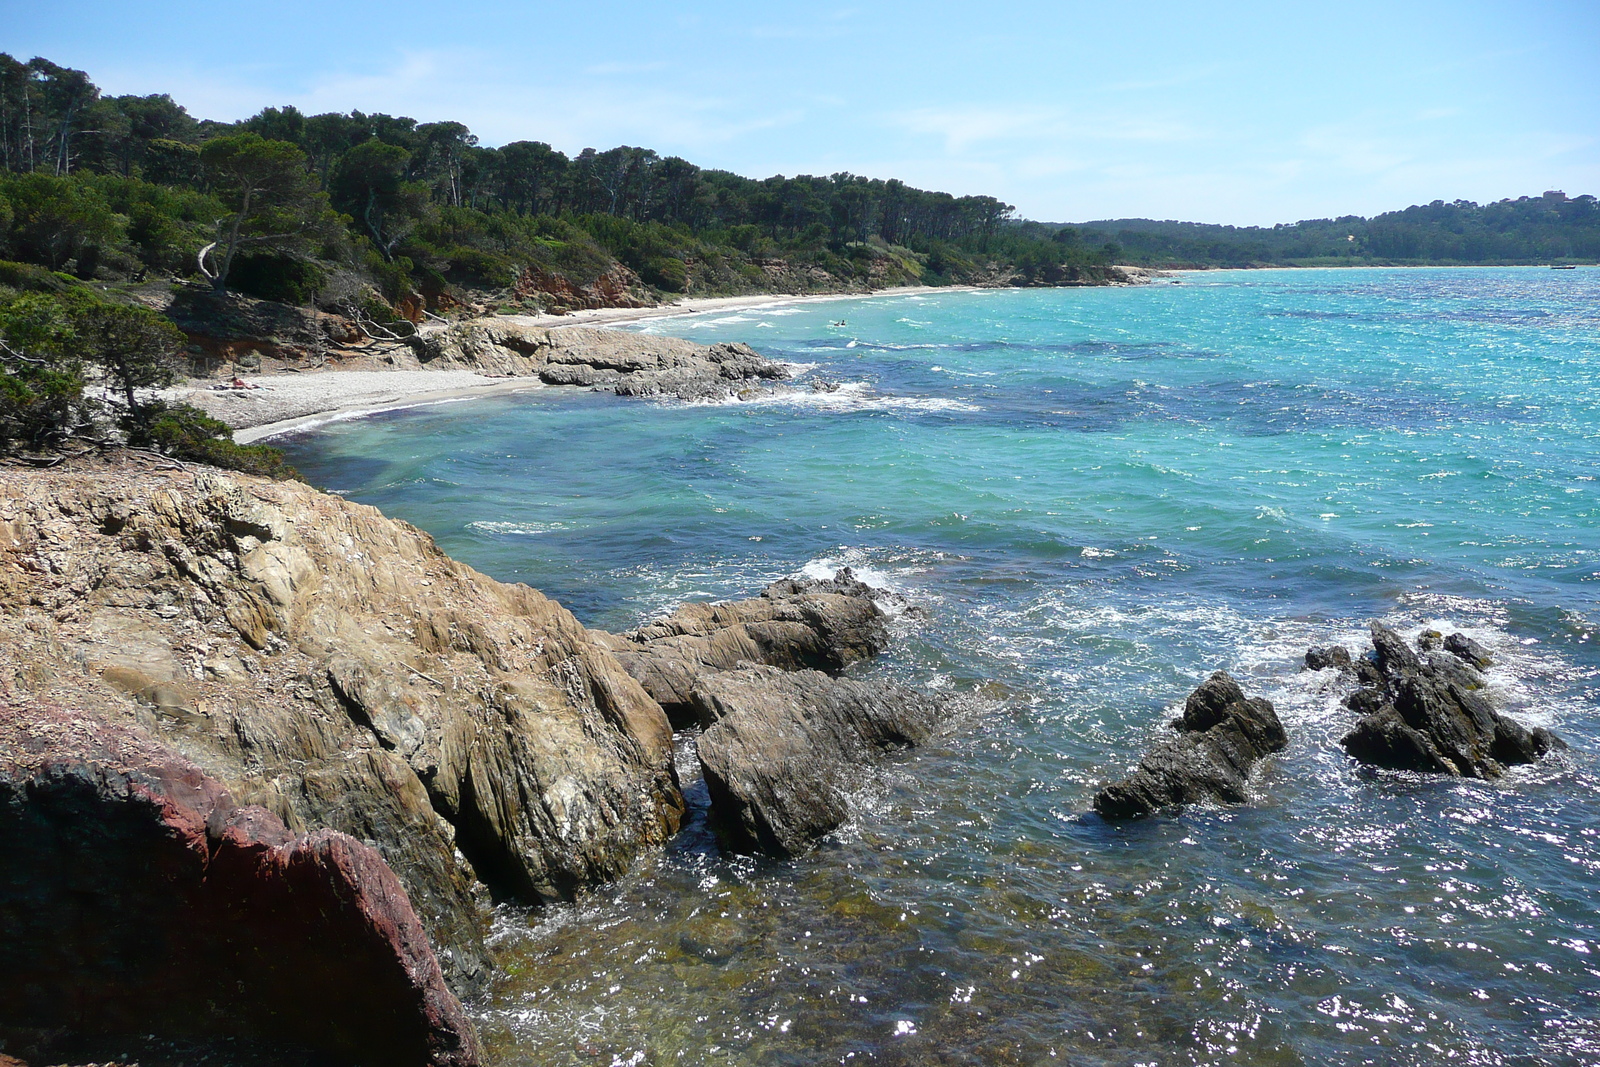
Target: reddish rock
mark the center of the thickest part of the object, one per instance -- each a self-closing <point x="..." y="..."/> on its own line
<point x="138" y="898"/>
<point x="619" y="287"/>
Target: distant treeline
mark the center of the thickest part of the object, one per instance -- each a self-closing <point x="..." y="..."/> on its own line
<point x="287" y="205"/>
<point x="1552" y="228"/>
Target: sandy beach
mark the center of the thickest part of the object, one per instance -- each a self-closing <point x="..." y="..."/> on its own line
<point x="295" y="401"/>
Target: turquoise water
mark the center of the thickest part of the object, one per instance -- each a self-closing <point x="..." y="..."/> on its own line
<point x="1099" y="496"/>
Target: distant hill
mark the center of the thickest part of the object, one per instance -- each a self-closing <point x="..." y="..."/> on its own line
<point x="1552" y="228"/>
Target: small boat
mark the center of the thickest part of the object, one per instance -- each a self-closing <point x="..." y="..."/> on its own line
<point x="1563" y="266"/>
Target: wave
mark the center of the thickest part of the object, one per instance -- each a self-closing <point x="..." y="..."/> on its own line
<point x="518" y="529"/>
<point x="848" y="397"/>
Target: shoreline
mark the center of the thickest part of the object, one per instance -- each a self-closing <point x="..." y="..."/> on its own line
<point x="296" y="401"/>
<point x="701" y="304"/>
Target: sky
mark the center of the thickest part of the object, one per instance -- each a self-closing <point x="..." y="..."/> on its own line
<point x="1241" y="113"/>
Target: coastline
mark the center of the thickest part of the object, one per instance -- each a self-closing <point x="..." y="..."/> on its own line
<point x="295" y="401"/>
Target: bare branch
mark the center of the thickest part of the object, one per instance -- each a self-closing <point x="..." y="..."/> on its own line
<point x="201" y="259"/>
<point x="6" y="351"/>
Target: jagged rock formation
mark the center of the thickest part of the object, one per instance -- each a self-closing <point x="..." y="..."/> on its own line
<point x="334" y="667"/>
<point x="628" y="364"/>
<point x="1426" y="712"/>
<point x="795" y="624"/>
<point x="779" y="748"/>
<point x="343" y="701"/>
<point x="136" y="896"/>
<point x="1221" y="736"/>
<point x="781" y="737"/>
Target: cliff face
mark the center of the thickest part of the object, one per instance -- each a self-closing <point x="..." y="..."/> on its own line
<point x="334" y="667"/>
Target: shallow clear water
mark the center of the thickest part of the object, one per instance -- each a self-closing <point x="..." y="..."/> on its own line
<point x="1100" y="496"/>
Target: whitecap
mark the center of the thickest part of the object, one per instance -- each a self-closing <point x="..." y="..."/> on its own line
<point x="517" y="529"/>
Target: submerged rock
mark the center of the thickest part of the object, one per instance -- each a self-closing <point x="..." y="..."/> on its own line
<point x="1221" y="736"/>
<point x="779" y="746"/>
<point x="1426" y="714"/>
<point x="136" y="896"/>
<point x="795" y="624"/>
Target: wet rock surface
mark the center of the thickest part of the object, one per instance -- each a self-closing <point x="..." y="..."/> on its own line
<point x="779" y="748"/>
<point x="794" y="624"/>
<point x="335" y="668"/>
<point x="137" y="896"/>
<point x="1221" y="736"/>
<point x="617" y="361"/>
<point x="1426" y="712"/>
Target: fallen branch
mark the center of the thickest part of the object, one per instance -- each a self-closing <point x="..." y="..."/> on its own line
<point x="429" y="677"/>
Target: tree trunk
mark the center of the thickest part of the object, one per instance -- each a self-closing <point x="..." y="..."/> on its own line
<point x="220" y="283"/>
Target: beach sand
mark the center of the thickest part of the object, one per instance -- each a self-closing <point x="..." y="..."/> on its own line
<point x="294" y="401"/>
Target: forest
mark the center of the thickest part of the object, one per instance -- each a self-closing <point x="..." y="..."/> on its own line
<point x="1551" y="228"/>
<point x="303" y="208"/>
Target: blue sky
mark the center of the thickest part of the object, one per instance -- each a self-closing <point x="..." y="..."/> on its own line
<point x="1246" y="113"/>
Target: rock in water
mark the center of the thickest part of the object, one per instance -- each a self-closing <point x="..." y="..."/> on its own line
<point x="137" y="897"/>
<point x="1220" y="737"/>
<point x="1320" y="659"/>
<point x="779" y="745"/>
<point x="1427" y="714"/>
<point x="1467" y="649"/>
<point x="795" y="624"/>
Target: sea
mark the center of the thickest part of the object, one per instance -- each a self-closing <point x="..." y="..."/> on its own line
<point x="1092" y="498"/>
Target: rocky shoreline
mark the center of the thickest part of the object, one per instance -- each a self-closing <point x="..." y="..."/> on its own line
<point x="269" y="758"/>
<point x="238" y="687"/>
<point x="484" y="356"/>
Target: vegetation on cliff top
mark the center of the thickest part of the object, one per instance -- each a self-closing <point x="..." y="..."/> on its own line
<point x="1552" y="228"/>
<point x="302" y="208"/>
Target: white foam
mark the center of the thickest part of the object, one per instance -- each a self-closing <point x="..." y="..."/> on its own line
<point x="518" y="529"/>
<point x="849" y="397"/>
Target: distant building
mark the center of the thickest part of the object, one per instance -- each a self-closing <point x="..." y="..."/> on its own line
<point x="1554" y="194"/>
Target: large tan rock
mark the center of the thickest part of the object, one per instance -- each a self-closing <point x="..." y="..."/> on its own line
<point x="333" y="666"/>
<point x="628" y="364"/>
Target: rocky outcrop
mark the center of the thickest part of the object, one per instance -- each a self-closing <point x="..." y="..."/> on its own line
<point x="334" y="667"/>
<point x="628" y="364"/>
<point x="136" y="896"/>
<point x="1221" y="736"/>
<point x="618" y="287"/>
<point x="779" y="748"/>
<point x="795" y="624"/>
<point x="782" y="737"/>
<point x="1427" y="712"/>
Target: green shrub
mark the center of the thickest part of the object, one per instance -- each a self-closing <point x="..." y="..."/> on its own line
<point x="185" y="432"/>
<point x="27" y="277"/>
<point x="42" y="375"/>
<point x="665" y="272"/>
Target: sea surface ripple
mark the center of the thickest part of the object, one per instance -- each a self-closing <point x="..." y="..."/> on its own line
<point x="1100" y="496"/>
